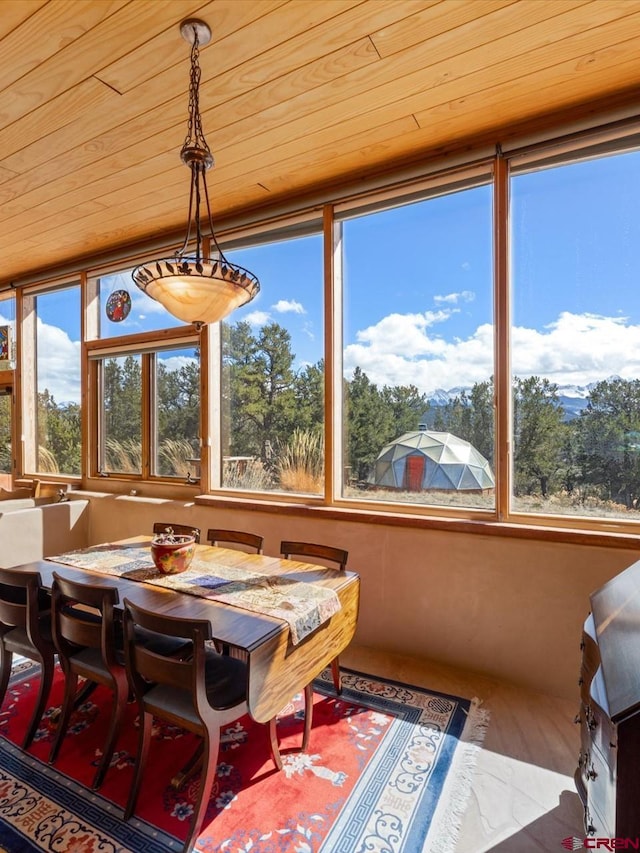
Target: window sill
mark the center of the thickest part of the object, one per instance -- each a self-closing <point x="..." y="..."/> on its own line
<point x="480" y="527"/>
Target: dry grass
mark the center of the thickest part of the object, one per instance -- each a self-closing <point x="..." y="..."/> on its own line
<point x="249" y="475"/>
<point x="174" y="458"/>
<point x="123" y="457"/>
<point x="560" y="504"/>
<point x="301" y="463"/>
<point x="47" y="463"/>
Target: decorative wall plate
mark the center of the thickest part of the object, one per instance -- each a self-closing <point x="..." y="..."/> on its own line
<point x="118" y="306"/>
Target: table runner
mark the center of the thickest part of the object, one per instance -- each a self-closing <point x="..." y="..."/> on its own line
<point x="304" y="606"/>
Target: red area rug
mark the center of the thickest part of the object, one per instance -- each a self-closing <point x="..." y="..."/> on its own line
<point x="389" y="768"/>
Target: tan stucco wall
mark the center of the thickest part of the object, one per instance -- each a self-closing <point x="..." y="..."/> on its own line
<point x="508" y="607"/>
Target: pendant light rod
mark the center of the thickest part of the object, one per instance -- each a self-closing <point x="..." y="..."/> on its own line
<point x="194" y="288"/>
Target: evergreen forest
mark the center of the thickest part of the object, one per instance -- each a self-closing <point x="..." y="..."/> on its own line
<point x="273" y="424"/>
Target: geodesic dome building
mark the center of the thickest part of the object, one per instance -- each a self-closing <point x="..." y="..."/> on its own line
<point x="423" y="460"/>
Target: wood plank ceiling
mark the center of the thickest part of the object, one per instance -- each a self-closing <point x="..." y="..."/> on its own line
<point x="296" y="96"/>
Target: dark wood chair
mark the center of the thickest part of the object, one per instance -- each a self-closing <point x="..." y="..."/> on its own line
<point x="333" y="558"/>
<point x="87" y="633"/>
<point x="25" y="629"/>
<point x="178" y="529"/>
<point x="217" y="536"/>
<point x="88" y="637"/>
<point x="200" y="694"/>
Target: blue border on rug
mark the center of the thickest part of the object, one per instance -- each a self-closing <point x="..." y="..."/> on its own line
<point x="361" y="805"/>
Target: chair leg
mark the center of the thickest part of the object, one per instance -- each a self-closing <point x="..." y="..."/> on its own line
<point x="308" y="716"/>
<point x="70" y="687"/>
<point x="6" y="662"/>
<point x="273" y="740"/>
<point x="120" y="695"/>
<point x="83" y="694"/>
<point x="144" y="739"/>
<point x="189" y="769"/>
<point x="337" y="677"/>
<point x="209" y="767"/>
<point x="46" y="680"/>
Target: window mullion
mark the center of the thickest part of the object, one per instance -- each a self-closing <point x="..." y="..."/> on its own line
<point x="502" y="392"/>
<point x="149" y="410"/>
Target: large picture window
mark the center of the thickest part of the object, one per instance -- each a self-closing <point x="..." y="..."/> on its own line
<point x="418" y="352"/>
<point x="51" y="397"/>
<point x="575" y="338"/>
<point x="273" y="373"/>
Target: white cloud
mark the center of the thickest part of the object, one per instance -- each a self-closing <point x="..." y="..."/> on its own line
<point x="257" y="318"/>
<point x="58" y="364"/>
<point x="142" y="305"/>
<point x="578" y="348"/>
<point x="175" y="362"/>
<point x="454" y="298"/>
<point x="575" y="349"/>
<point x="400" y="333"/>
<point x="288" y="306"/>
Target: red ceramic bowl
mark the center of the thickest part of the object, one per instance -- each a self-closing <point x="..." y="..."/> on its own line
<point x="171" y="558"/>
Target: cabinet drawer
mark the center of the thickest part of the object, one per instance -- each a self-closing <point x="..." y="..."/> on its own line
<point x="601" y="794"/>
<point x="585" y="733"/>
<point x="596" y="825"/>
<point x="604" y="733"/>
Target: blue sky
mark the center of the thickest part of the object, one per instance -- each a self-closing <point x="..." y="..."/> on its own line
<point x="418" y="287"/>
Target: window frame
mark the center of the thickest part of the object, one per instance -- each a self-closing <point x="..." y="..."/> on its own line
<point x="147" y="345"/>
<point x="612" y="138"/>
<point x="26" y="384"/>
<point x="592" y="144"/>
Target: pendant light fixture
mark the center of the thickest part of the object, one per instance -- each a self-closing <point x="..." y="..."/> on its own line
<point x="194" y="288"/>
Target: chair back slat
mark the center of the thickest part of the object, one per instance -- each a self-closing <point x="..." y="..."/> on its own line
<point x="328" y="553"/>
<point x="13" y="614"/>
<point x="80" y="628"/>
<point x="160" y="669"/>
<point x="217" y="536"/>
<point x="19" y="598"/>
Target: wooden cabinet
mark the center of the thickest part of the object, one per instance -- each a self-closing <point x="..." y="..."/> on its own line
<point x="608" y="773"/>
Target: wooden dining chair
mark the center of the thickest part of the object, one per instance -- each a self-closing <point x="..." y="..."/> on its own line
<point x="88" y="638"/>
<point x="178" y="529"/>
<point x="25" y="629"/>
<point x="217" y="536"/>
<point x="200" y="694"/>
<point x="333" y="558"/>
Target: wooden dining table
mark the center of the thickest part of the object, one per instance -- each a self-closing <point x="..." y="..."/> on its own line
<point x="278" y="668"/>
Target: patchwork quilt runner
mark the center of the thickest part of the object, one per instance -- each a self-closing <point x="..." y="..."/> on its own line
<point x="304" y="606"/>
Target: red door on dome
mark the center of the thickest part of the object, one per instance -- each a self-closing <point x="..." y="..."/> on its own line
<point x="413" y="473"/>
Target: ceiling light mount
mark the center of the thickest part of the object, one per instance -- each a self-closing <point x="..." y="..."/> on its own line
<point x="191" y="28"/>
<point x="194" y="288"/>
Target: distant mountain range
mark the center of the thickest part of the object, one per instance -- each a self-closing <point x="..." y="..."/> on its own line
<point x="574" y="399"/>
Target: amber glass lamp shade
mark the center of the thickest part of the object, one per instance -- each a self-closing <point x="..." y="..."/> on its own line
<point x="197" y="291"/>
